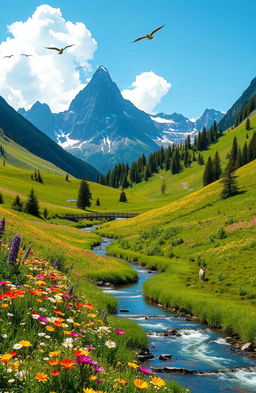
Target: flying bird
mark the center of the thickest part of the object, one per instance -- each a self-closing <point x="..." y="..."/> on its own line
<point x="60" y="50"/>
<point x="9" y="56"/>
<point x="148" y="36"/>
<point x="24" y="54"/>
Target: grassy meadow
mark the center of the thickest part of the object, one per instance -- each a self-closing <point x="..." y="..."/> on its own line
<point x="200" y="228"/>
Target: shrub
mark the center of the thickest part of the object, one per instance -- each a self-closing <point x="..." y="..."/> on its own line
<point x="221" y="234"/>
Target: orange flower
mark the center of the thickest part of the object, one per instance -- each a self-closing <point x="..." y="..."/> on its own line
<point x="49" y="328"/>
<point x="121" y="381"/>
<point x="53" y="362"/>
<point x="54" y="373"/>
<point x="140" y="384"/>
<point x="41" y="377"/>
<point x="67" y="363"/>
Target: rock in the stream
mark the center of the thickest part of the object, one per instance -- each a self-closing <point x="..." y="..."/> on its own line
<point x="108" y="285"/>
<point x="248" y="347"/>
<point x="145" y="355"/>
<point x="124" y="310"/>
<point x="165" y="356"/>
<point x="173" y="332"/>
<point x="100" y="283"/>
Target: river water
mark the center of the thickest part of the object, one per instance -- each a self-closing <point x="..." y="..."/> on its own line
<point x="198" y="347"/>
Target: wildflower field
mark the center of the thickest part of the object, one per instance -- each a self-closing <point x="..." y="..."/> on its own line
<point x="54" y="341"/>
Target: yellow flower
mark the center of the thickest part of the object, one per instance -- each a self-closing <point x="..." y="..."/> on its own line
<point x="5" y="305"/>
<point x="93" y="377"/>
<point x="25" y="343"/>
<point x="54" y="353"/>
<point x="133" y="365"/>
<point x="76" y="324"/>
<point x="159" y="382"/>
<point x="6" y="356"/>
<point x="140" y="384"/>
<point x="87" y="390"/>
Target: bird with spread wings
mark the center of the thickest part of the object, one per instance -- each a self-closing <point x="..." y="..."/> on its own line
<point x="149" y="36"/>
<point x="59" y="50"/>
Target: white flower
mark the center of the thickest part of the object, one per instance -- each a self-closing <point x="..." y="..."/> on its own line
<point x="35" y="316"/>
<point x="17" y="346"/>
<point x="9" y="370"/>
<point x="68" y="343"/>
<point x="20" y="374"/>
<point x="47" y="336"/>
<point x="42" y="309"/>
<point x="10" y="314"/>
<point x="11" y="380"/>
<point x="4" y="335"/>
<point x="46" y="359"/>
<point x="41" y="334"/>
<point x="42" y="344"/>
<point x="104" y="329"/>
<point x="70" y="320"/>
<point x="52" y="299"/>
<point x="110" y="344"/>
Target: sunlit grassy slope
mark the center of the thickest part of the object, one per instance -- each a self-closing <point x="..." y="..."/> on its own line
<point x="17" y="156"/>
<point x="200" y="226"/>
<point x="56" y="193"/>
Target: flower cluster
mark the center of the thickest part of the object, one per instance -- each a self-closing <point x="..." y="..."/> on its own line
<point x="54" y="341"/>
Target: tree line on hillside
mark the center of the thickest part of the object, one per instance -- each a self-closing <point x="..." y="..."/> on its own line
<point x="174" y="159"/>
<point x="245" y="111"/>
<point x="237" y="157"/>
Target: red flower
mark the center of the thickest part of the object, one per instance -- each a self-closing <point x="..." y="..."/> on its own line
<point x="54" y="373"/>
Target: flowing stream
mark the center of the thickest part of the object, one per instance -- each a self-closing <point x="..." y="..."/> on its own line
<point x="197" y="347"/>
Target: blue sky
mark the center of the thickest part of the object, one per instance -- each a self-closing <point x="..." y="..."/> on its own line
<point x="206" y="50"/>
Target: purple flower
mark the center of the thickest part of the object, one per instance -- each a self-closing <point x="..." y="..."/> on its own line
<point x="2" y="227"/>
<point x="98" y="369"/>
<point x="74" y="334"/>
<point x="99" y="380"/>
<point x="83" y="359"/>
<point x="42" y="319"/>
<point x="14" y="249"/>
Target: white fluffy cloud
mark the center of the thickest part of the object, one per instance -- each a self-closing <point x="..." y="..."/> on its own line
<point x="147" y="91"/>
<point x="46" y="76"/>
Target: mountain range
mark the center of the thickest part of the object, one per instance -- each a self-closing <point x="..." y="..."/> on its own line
<point x="103" y="128"/>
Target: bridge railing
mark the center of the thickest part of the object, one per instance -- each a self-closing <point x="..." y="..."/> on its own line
<point x="97" y="215"/>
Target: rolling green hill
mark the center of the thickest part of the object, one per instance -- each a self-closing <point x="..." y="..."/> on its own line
<point x="17" y="128"/>
<point x="16" y="156"/>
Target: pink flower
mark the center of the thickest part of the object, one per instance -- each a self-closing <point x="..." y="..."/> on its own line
<point x="42" y="319"/>
<point x="145" y="370"/>
<point x="120" y="332"/>
<point x="98" y="369"/>
<point x="74" y="334"/>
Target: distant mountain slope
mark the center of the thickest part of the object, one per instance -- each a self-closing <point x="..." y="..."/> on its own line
<point x="17" y="128"/>
<point x="18" y="157"/>
<point x="103" y="128"/>
<point x="230" y="118"/>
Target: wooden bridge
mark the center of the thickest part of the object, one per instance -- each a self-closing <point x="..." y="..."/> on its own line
<point x="98" y="215"/>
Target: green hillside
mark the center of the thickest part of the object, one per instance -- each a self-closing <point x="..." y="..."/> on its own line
<point x="16" y="156"/>
<point x="200" y="228"/>
<point x="190" y="179"/>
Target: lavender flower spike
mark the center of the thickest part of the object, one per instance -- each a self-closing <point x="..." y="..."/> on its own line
<point x="14" y="249"/>
<point x="2" y="227"/>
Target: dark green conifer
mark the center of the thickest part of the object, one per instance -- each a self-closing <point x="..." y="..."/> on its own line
<point x="84" y="195"/>
<point x="32" y="204"/>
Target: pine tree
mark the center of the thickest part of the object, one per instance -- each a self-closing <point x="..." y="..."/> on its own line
<point x="67" y="178"/>
<point x="122" y="197"/>
<point x="125" y="183"/>
<point x="39" y="177"/>
<point x="32" y="204"/>
<point x="229" y="183"/>
<point x="200" y="159"/>
<point x="252" y="148"/>
<point x="208" y="176"/>
<point x="45" y="213"/>
<point x="84" y="195"/>
<point x="245" y="157"/>
<point x="1" y="198"/>
<point x="248" y="124"/>
<point x="233" y="154"/>
<point x="216" y="166"/>
<point x="163" y="187"/>
<point x="17" y="204"/>
<point x="97" y="202"/>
